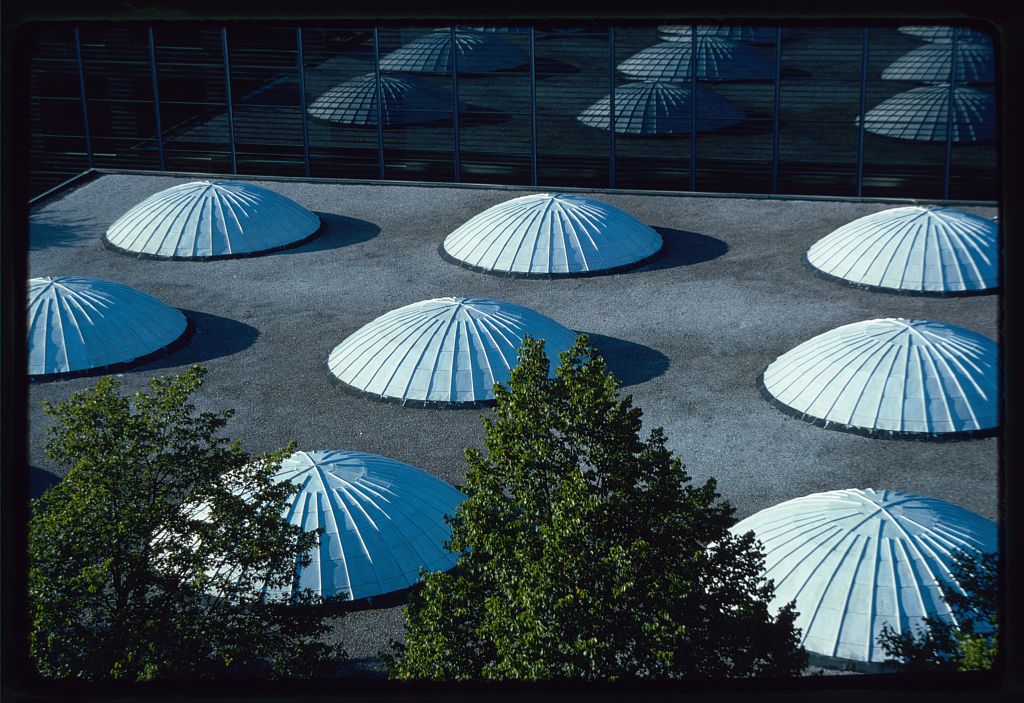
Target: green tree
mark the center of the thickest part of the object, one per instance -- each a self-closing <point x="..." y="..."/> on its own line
<point x="973" y="643"/>
<point x="147" y="560"/>
<point x="584" y="551"/>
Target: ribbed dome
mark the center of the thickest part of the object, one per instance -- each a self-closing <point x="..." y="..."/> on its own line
<point x="549" y="234"/>
<point x="383" y="520"/>
<point x="77" y="324"/>
<point x="495" y="30"/>
<point x="717" y="60"/>
<point x="662" y="108"/>
<point x="855" y="560"/>
<point x="975" y="63"/>
<point x="478" y="52"/>
<point x="921" y="114"/>
<point x="944" y="35"/>
<point x="913" y="249"/>
<point x="204" y="220"/>
<point x="446" y="351"/>
<point x="893" y="378"/>
<point x="404" y="99"/>
<point x="749" y="34"/>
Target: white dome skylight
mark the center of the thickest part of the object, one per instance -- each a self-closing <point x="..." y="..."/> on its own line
<point x="218" y="220"/>
<point x="551" y="235"/>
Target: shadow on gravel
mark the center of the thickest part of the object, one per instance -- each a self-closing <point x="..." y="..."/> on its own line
<point x="39" y="480"/>
<point x="631" y="363"/>
<point x="684" y="248"/>
<point x="338" y="231"/>
<point x="213" y="336"/>
<point x="46" y="231"/>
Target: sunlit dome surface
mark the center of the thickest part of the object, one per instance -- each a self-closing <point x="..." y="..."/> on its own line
<point x="944" y="35"/>
<point x="891" y="378"/>
<point x="661" y="108"/>
<point x="749" y="34"/>
<point x="445" y="351"/>
<point x="550" y="234"/>
<point x="921" y="114"/>
<point x="211" y="220"/>
<point x="383" y="520"/>
<point x="856" y="559"/>
<point x="404" y="100"/>
<point x="717" y="60"/>
<point x="975" y="63"/>
<point x="913" y="249"/>
<point x="77" y="324"/>
<point x="478" y="52"/>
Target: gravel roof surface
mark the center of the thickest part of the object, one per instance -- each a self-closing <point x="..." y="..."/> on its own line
<point x="687" y="335"/>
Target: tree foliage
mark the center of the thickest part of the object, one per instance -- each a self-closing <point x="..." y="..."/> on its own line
<point x="584" y="551"/>
<point x="129" y="579"/>
<point x="969" y="645"/>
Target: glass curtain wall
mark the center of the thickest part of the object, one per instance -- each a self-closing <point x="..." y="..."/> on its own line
<point x="841" y="110"/>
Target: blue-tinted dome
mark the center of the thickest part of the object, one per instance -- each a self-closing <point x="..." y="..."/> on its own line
<point x="78" y="323"/>
<point x="404" y="100"/>
<point x="914" y="249"/>
<point x="661" y="108"/>
<point x="891" y="377"/>
<point x="204" y="220"/>
<point x="717" y="60"/>
<point x="975" y="63"/>
<point x="745" y="33"/>
<point x="944" y="35"/>
<point x="855" y="560"/>
<point x="383" y="521"/>
<point x="477" y="52"/>
<point x="445" y="351"/>
<point x="551" y="234"/>
<point x="921" y="114"/>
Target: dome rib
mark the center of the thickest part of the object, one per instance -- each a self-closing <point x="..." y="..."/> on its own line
<point x="717" y="60"/>
<point x="201" y="221"/>
<point x="975" y="63"/>
<point x="661" y="107"/>
<point x="477" y="52"/>
<point x="80" y="326"/>
<point x="551" y="236"/>
<point x="920" y="114"/>
<point x="855" y="560"/>
<point x="404" y="99"/>
<point x="939" y="385"/>
<point x="441" y="352"/>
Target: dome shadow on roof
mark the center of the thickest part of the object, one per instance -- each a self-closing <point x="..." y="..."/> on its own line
<point x="975" y="63"/>
<point x="745" y="33"/>
<point x="891" y="378"/>
<point x="652" y="108"/>
<point x="404" y="100"/>
<point x="717" y="60"/>
<point x="921" y="114"/>
<point x="219" y="220"/>
<point x="855" y="560"/>
<point x="383" y="520"/>
<point x="79" y="325"/>
<point x="442" y="352"/>
<point x="549" y="235"/>
<point x="476" y="52"/>
<point x="919" y="250"/>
